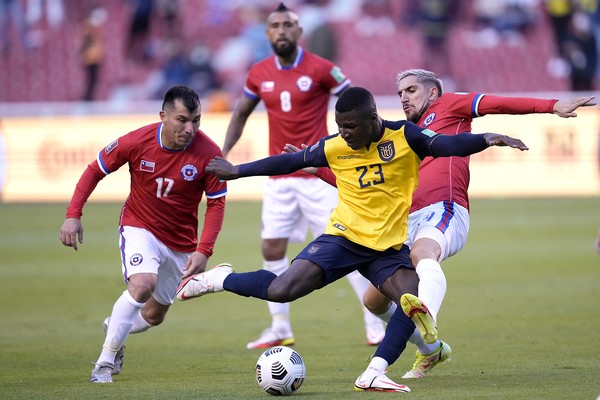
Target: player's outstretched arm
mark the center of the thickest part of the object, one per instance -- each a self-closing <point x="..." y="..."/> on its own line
<point x="281" y="164"/>
<point x="290" y="148"/>
<point x="495" y="139"/>
<point x="71" y="232"/>
<point x="566" y="108"/>
<point x="222" y="168"/>
<point x="465" y="144"/>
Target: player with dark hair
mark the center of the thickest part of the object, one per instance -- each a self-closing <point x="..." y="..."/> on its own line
<point x="159" y="221"/>
<point x="295" y="87"/>
<point x="439" y="215"/>
<point x="376" y="166"/>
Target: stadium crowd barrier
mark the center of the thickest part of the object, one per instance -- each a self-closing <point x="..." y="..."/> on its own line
<point x="43" y="157"/>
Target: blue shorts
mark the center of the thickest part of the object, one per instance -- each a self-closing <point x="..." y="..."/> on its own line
<point x="338" y="256"/>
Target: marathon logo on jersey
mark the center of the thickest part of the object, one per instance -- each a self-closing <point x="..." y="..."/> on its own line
<point x="314" y="248"/>
<point x="337" y="74"/>
<point x="136" y="259"/>
<point x="113" y="145"/>
<point x="147" y="166"/>
<point x="267" y="86"/>
<point x="386" y="150"/>
<point x="304" y="83"/>
<point x="429" y="119"/>
<point x="189" y="172"/>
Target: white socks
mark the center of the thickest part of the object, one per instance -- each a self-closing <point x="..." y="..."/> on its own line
<point x="121" y="320"/>
<point x="139" y="324"/>
<point x="423" y="347"/>
<point x="388" y="314"/>
<point x="378" y="364"/>
<point x="280" y="312"/>
<point x="432" y="285"/>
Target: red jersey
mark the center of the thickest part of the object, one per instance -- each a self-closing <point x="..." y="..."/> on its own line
<point x="166" y="187"/>
<point x="296" y="98"/>
<point x="447" y="178"/>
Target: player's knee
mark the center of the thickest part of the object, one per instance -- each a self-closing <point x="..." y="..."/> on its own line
<point x="274" y="249"/>
<point x="377" y="303"/>
<point x="424" y="249"/>
<point x="153" y="317"/>
<point x="279" y="293"/>
<point x="419" y="254"/>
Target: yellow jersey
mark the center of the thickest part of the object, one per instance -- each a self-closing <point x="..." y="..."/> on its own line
<point x="375" y="184"/>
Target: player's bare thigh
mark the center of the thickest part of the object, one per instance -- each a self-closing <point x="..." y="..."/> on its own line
<point x="300" y="279"/>
<point x="404" y="280"/>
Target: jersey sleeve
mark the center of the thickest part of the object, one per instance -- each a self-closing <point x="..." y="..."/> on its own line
<point x="461" y="105"/>
<point x="109" y="160"/>
<point x="84" y="188"/>
<point x="281" y="164"/>
<point x="213" y="222"/>
<point x="418" y="138"/>
<point x="315" y="155"/>
<point x="332" y="76"/>
<point x="426" y="142"/>
<point x="251" y="88"/>
<point x="514" y="105"/>
<point x="114" y="155"/>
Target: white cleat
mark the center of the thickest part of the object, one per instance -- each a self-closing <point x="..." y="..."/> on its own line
<point x="102" y="373"/>
<point x="206" y="282"/>
<point x="374" y="381"/>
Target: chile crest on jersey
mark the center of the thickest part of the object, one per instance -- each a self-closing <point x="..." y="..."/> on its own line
<point x="304" y="83"/>
<point x="189" y="172"/>
<point x="429" y="119"/>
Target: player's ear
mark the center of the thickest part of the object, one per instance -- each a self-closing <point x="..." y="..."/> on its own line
<point x="433" y="93"/>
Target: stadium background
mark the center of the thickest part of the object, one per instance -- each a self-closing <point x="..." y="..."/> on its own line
<point x="49" y="135"/>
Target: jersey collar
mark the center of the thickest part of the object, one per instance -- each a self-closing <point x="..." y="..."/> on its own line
<point x="296" y="61"/>
<point x="159" y="139"/>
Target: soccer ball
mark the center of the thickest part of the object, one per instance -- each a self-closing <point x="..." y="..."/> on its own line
<point x="280" y="371"/>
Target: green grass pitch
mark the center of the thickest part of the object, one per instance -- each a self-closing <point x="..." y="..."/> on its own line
<point x="522" y="313"/>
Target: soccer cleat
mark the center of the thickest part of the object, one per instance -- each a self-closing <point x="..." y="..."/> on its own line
<point x="375" y="332"/>
<point x="206" y="282"/>
<point x="374" y="381"/>
<point x="102" y="373"/>
<point x="120" y="356"/>
<point x="424" y="363"/>
<point x="269" y="338"/>
<point x="420" y="315"/>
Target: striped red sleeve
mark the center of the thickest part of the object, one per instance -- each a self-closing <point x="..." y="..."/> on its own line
<point x="213" y="222"/>
<point x="326" y="175"/>
<point x="514" y="105"/>
<point x="84" y="188"/>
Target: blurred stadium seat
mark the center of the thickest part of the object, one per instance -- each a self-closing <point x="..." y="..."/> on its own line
<point x="51" y="72"/>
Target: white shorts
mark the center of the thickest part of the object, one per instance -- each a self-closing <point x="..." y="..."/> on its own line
<point x="142" y="252"/>
<point x="292" y="205"/>
<point x="445" y="222"/>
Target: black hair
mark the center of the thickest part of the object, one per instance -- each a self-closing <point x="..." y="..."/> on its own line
<point x="356" y="98"/>
<point x="188" y="97"/>
<point x="281" y="8"/>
